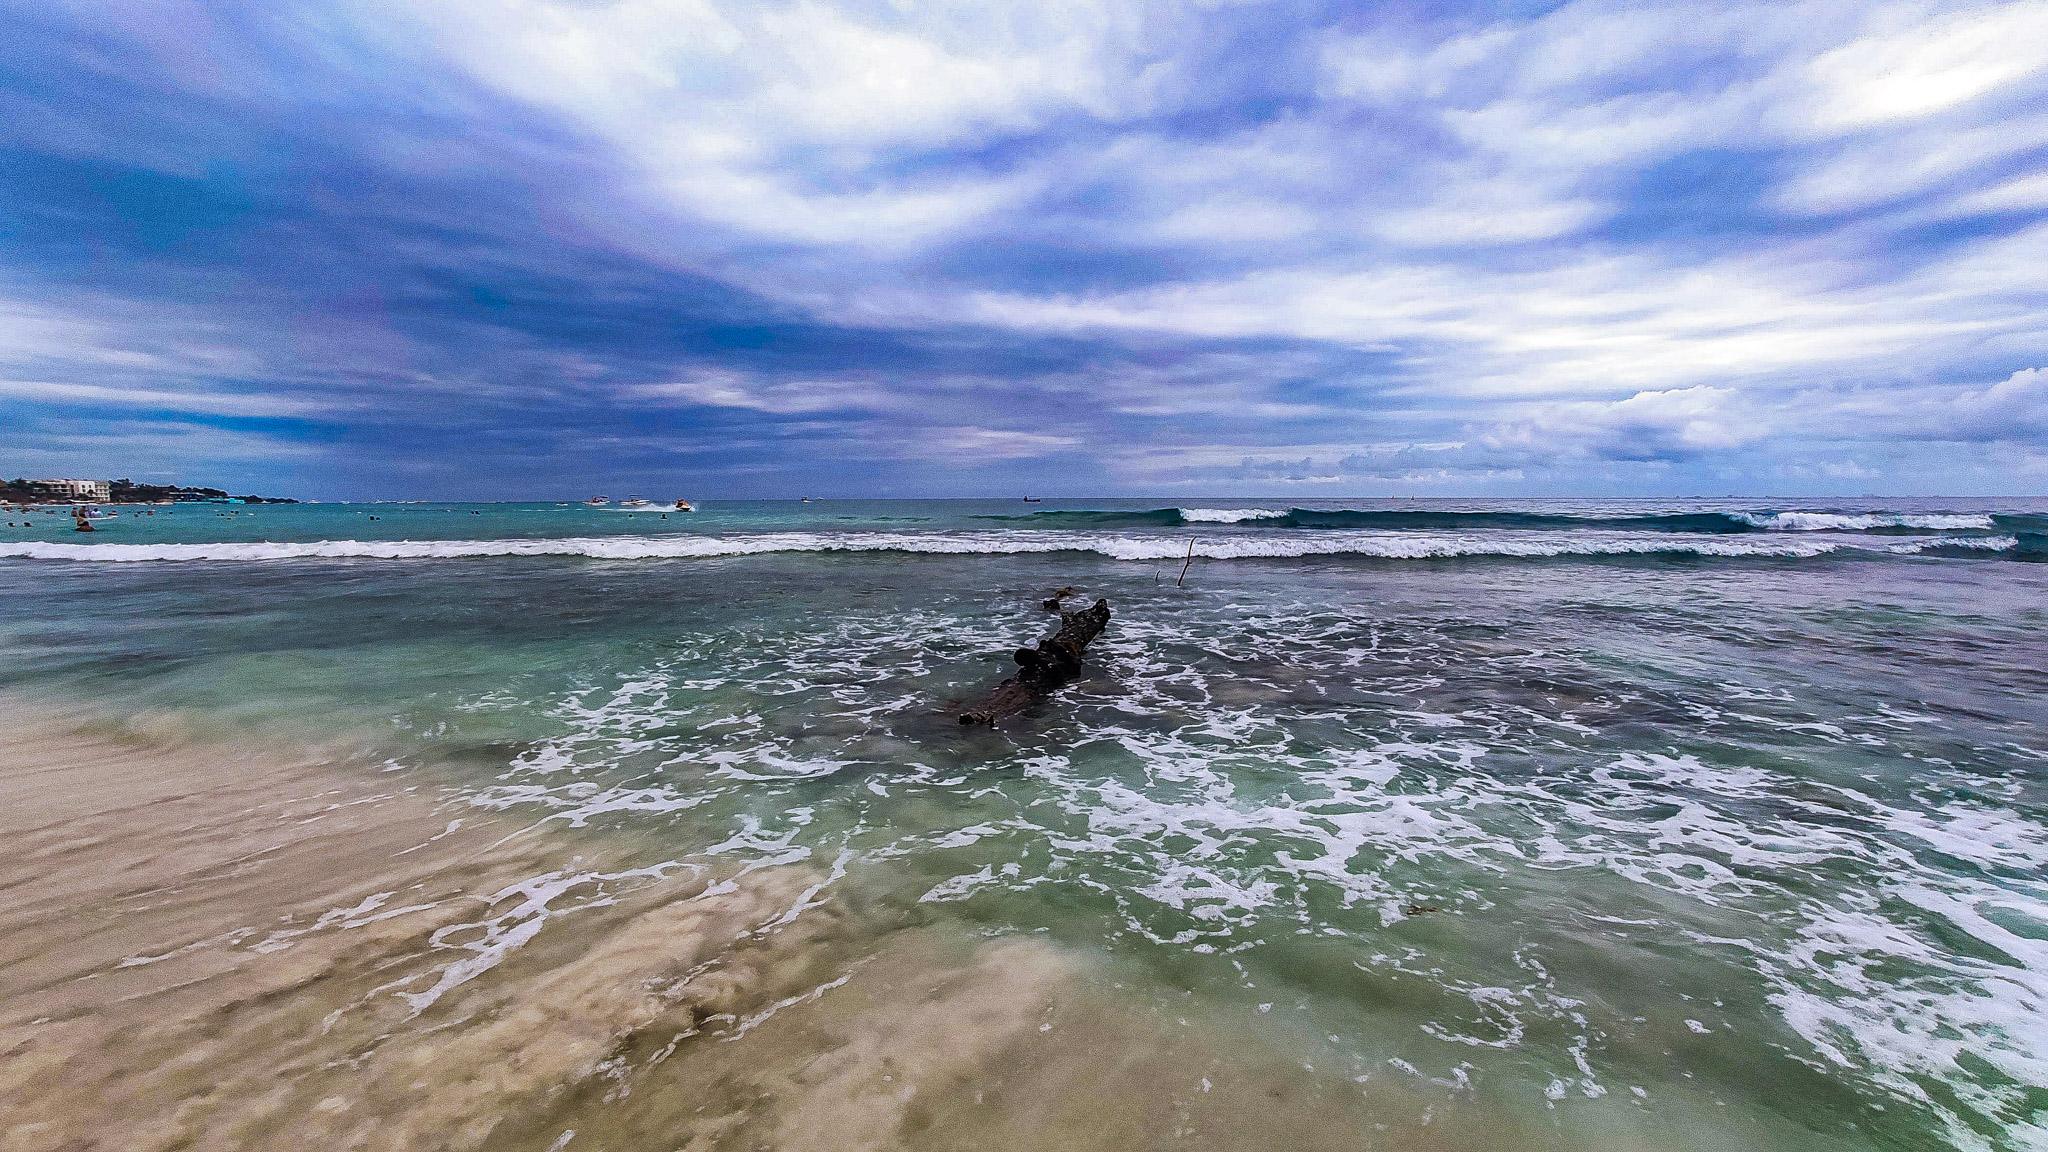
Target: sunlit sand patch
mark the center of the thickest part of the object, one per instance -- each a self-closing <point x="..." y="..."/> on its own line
<point x="219" y="948"/>
<point x="182" y="917"/>
<point x="210" y="947"/>
<point x="925" y="1039"/>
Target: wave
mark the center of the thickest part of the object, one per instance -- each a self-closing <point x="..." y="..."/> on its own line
<point x="1863" y="521"/>
<point x="1386" y="546"/>
<point x="1416" y="519"/>
<point x="1395" y="520"/>
<point x="1227" y="515"/>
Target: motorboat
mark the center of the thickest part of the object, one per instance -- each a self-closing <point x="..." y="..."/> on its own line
<point x="635" y="502"/>
<point x="598" y="501"/>
<point x="683" y="505"/>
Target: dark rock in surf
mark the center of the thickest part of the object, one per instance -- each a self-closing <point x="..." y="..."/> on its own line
<point x="1056" y="660"/>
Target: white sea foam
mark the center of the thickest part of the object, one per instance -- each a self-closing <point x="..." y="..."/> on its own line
<point x="1156" y="546"/>
<point x="1870" y="992"/>
<point x="527" y="906"/>
<point x="1213" y="822"/>
<point x="1228" y="515"/>
<point x="1861" y="522"/>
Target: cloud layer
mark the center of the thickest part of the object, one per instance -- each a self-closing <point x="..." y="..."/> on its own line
<point x="527" y="247"/>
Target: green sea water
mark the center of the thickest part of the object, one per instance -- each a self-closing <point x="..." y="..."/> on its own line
<point x="1704" y="825"/>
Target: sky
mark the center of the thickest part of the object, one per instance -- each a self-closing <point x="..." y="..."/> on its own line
<point x="543" y="248"/>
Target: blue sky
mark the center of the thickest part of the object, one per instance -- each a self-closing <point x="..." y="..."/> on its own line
<point x="509" y="248"/>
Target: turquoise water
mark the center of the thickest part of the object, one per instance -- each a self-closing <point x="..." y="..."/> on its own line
<point x="1711" y="824"/>
<point x="1125" y="530"/>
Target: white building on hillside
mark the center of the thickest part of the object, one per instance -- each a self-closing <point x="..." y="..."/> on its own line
<point x="76" y="489"/>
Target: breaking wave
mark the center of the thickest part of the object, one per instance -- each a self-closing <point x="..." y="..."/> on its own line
<point x="1864" y="521"/>
<point x="1378" y="545"/>
<point x="1718" y="523"/>
<point x="1227" y="515"/>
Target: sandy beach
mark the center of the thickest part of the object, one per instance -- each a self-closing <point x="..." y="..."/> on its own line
<point x="217" y="947"/>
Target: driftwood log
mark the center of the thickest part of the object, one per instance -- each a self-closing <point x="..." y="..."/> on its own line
<point x="1056" y="660"/>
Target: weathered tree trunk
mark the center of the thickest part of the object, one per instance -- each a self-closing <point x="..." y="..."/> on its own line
<point x="1055" y="661"/>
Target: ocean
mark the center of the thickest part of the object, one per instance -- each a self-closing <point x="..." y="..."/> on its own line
<point x="1405" y="824"/>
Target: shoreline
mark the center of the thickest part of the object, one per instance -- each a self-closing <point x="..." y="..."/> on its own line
<point x="233" y="946"/>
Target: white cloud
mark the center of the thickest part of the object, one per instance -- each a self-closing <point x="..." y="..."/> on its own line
<point x="783" y="120"/>
<point x="1918" y="68"/>
<point x="969" y="444"/>
<point x="1556" y="106"/>
<point x="1235" y="219"/>
<point x="790" y="121"/>
<point x="1701" y="419"/>
<point x="718" y="388"/>
<point x="1878" y="170"/>
<point x="110" y="333"/>
<point x="2015" y="408"/>
<point x="1600" y="323"/>
<point x="2020" y="194"/>
<point x="129" y="447"/>
<point x="1485" y="212"/>
<point x="161" y="399"/>
<point x="1367" y="67"/>
<point x="1648" y="425"/>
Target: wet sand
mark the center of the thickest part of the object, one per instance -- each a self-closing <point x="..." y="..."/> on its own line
<point x="214" y="947"/>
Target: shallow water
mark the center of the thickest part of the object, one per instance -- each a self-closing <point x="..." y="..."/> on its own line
<point x="1559" y="825"/>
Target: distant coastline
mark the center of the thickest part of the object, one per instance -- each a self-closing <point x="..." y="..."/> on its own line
<point x="24" y="491"/>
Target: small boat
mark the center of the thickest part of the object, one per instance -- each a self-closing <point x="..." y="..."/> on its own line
<point x="683" y="505"/>
<point x="805" y="500"/>
<point x="598" y="501"/>
<point x="1033" y="500"/>
<point x="634" y="502"/>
